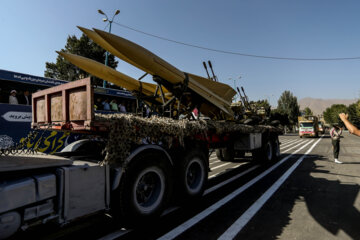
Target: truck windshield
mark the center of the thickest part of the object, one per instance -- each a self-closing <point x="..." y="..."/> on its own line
<point x="306" y="125"/>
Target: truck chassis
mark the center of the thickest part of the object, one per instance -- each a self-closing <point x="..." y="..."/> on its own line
<point x="136" y="188"/>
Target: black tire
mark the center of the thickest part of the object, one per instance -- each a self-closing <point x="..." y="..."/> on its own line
<point x="145" y="189"/>
<point x="265" y="153"/>
<point x="225" y="154"/>
<point x="228" y="154"/>
<point x="11" y="225"/>
<point x="193" y="175"/>
<point x="219" y="154"/>
<point x="276" y="149"/>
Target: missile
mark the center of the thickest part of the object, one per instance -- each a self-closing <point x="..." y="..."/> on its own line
<point x="109" y="74"/>
<point x="101" y="42"/>
<point x="154" y="65"/>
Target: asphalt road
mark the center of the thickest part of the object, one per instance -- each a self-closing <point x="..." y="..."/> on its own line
<point x="304" y="195"/>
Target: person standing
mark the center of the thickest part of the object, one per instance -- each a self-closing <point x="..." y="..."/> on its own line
<point x="98" y="104"/>
<point x="114" y="106"/>
<point x="12" y="98"/>
<point x="25" y="99"/>
<point x="335" y="133"/>
<point x="122" y="107"/>
<point x="106" y="105"/>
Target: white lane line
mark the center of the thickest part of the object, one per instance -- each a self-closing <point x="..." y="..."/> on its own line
<point x="197" y="218"/>
<point x="213" y="188"/>
<point x="241" y="222"/>
<point x="288" y="141"/>
<point x="115" y="235"/>
<point x="222" y="172"/>
<point x="212" y="163"/>
<point x="120" y="233"/>
<point x="291" y="142"/>
<point x="288" y="145"/>
<point x="213" y="156"/>
<point x="293" y="147"/>
<point x="221" y="165"/>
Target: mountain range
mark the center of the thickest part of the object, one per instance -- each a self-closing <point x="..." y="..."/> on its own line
<point x="318" y="105"/>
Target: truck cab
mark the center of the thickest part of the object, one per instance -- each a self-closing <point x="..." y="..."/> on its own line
<point x="308" y="126"/>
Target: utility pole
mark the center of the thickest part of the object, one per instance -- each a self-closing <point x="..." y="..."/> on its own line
<point x="110" y="22"/>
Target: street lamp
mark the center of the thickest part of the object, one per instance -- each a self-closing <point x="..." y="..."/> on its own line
<point x="110" y="21"/>
<point x="235" y="85"/>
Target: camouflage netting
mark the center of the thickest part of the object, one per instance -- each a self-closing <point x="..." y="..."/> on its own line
<point x="126" y="130"/>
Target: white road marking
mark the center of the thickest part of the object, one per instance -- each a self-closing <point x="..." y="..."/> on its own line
<point x="222" y="172"/>
<point x="212" y="163"/>
<point x="115" y="235"/>
<point x="293" y="147"/>
<point x="213" y="188"/>
<point x="213" y="157"/>
<point x="292" y="143"/>
<point x="191" y="222"/>
<point x="120" y="233"/>
<point x="288" y="141"/>
<point x="241" y="222"/>
<point x="221" y="165"/>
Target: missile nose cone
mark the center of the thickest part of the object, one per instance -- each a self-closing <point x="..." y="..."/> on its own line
<point x="82" y="28"/>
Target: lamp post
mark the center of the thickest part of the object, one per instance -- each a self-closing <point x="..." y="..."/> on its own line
<point x="110" y="21"/>
<point x="235" y="85"/>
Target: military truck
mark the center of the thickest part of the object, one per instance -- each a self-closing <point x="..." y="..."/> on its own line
<point x="130" y="167"/>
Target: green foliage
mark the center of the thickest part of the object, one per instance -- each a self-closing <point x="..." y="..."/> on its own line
<point x="261" y="104"/>
<point x="287" y="104"/>
<point x="331" y="114"/>
<point x="354" y="113"/>
<point x="308" y="111"/>
<point x="85" y="47"/>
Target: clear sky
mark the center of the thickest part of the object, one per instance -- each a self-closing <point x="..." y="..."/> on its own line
<point x="31" y="32"/>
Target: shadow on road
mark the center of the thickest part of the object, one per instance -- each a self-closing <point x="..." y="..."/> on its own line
<point x="329" y="202"/>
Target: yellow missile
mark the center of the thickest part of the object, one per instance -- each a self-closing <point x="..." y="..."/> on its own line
<point x="154" y="65"/>
<point x="101" y="42"/>
<point x="109" y="74"/>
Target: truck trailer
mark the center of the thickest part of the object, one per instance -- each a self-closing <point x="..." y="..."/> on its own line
<point x="122" y="169"/>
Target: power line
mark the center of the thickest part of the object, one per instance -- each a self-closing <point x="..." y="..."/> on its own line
<point x="238" y="53"/>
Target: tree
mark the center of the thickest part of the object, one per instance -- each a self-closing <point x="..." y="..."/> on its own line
<point x="287" y="104"/>
<point x="262" y="104"/>
<point x="283" y="118"/>
<point x="85" y="47"/>
<point x="307" y="111"/>
<point x="353" y="117"/>
<point x="331" y="114"/>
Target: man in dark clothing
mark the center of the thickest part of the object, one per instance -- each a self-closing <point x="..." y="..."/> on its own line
<point x="335" y="133"/>
<point x="98" y="104"/>
<point x="2" y="97"/>
<point x="25" y="98"/>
